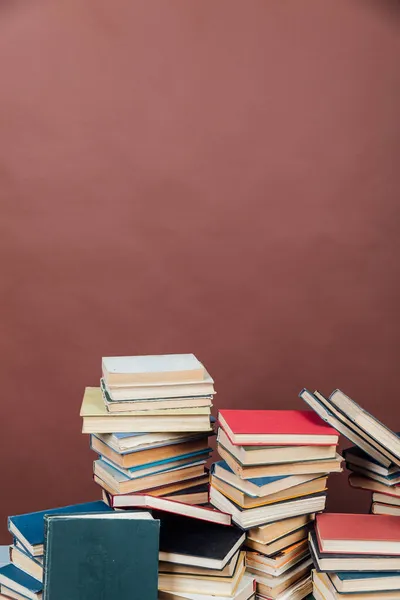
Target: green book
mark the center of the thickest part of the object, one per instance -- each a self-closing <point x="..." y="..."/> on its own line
<point x="101" y="556"/>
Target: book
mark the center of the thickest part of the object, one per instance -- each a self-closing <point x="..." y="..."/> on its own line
<point x="276" y="427"/>
<point x="296" y="591"/>
<point x="244" y="501"/>
<point x="366" y="483"/>
<point x="193" y="458"/>
<point x="281" y="561"/>
<point x="247" y="519"/>
<point x="274" y="586"/>
<point x="92" y="556"/>
<point x="19" y="582"/>
<point x="270" y="532"/>
<point x="227" y="571"/>
<point x="294" y="538"/>
<point x="173" y="506"/>
<point x="96" y="418"/>
<point x="331" y="562"/>
<point x="324" y="586"/>
<point x="118" y="483"/>
<point x="203" y="584"/>
<point x="367" y="422"/>
<point x="196" y="495"/>
<point x="262" y="455"/>
<point x="27" y="563"/>
<point x="301" y="468"/>
<point x="162" y="392"/>
<point x="358" y="534"/>
<point x="151" y="403"/>
<point x="326" y="411"/>
<point x="356" y="456"/>
<point x="245" y="591"/>
<point x="259" y="486"/>
<point x="385" y="509"/>
<point x="187" y="541"/>
<point x="355" y="581"/>
<point x="179" y="485"/>
<point x="28" y="528"/>
<point x="388" y="480"/>
<point x="148" y="457"/>
<point x="157" y="369"/>
<point x="125" y="443"/>
<point x="385" y="499"/>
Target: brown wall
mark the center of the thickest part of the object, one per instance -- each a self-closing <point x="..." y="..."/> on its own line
<point x="219" y="177"/>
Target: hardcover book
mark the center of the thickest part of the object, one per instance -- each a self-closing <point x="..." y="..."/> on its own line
<point x="20" y="583"/>
<point x="107" y="556"/>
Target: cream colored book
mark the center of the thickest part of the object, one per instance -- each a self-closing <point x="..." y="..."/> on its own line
<point x="96" y="418"/>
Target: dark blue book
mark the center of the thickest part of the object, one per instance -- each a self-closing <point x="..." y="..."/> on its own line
<point x="105" y="556"/>
<point x="28" y="529"/>
<point x="356" y="456"/>
<point x="18" y="581"/>
<point x="368" y="581"/>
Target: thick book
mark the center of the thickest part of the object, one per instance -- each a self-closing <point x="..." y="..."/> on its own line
<point x="327" y="411"/>
<point x="157" y="487"/>
<point x="260" y="486"/>
<point x="265" y="551"/>
<point x="358" y="534"/>
<point x="252" y="517"/>
<point x="155" y="369"/>
<point x="366" y="483"/>
<point x="21" y="558"/>
<point x="97" y="419"/>
<point x="187" y="541"/>
<point x="332" y="562"/>
<point x="192" y="458"/>
<point x="309" y="467"/>
<point x="324" y="588"/>
<point x="108" y="556"/>
<point x="20" y="583"/>
<point x="245" y="591"/>
<point x="358" y="457"/>
<point x="126" y="443"/>
<point x="385" y="509"/>
<point x="28" y="528"/>
<point x="276" y="428"/>
<point x="389" y="480"/>
<point x="202" y="513"/>
<point x="281" y="561"/>
<point x="263" y="455"/>
<point x="367" y="422"/>
<point x="196" y="495"/>
<point x="356" y="581"/>
<point x="385" y="499"/>
<point x="270" y="532"/>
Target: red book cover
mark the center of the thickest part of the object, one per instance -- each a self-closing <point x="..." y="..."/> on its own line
<point x="367" y="529"/>
<point x="276" y="424"/>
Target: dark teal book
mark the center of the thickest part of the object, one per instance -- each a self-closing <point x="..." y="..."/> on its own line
<point x="28" y="529"/>
<point x="101" y="556"/>
<point x="21" y="583"/>
<point x="367" y="581"/>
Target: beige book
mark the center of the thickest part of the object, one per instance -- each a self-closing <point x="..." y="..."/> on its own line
<point x="266" y="534"/>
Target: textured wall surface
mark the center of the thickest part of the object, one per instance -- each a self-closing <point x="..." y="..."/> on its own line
<point x="219" y="177"/>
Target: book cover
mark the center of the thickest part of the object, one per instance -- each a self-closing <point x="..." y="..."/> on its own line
<point x="20" y="582"/>
<point x="29" y="528"/>
<point x="104" y="556"/>
<point x="288" y="426"/>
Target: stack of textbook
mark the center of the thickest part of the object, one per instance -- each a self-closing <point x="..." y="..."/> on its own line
<point x="356" y="556"/>
<point x="375" y="459"/>
<point x="149" y="423"/>
<point x="272" y="480"/>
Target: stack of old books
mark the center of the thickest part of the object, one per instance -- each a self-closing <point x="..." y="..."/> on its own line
<point x="375" y="459"/>
<point x="149" y="423"/>
<point x="356" y="556"/>
<point x="272" y="480"/>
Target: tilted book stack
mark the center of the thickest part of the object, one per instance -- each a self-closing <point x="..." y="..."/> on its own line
<point x="149" y="423"/>
<point x="272" y="481"/>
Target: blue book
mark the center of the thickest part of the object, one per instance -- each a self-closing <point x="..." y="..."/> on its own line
<point x="29" y="528"/>
<point x="365" y="581"/>
<point x="138" y="473"/>
<point x="356" y="456"/>
<point x="260" y="486"/>
<point x="20" y="582"/>
<point x="198" y="455"/>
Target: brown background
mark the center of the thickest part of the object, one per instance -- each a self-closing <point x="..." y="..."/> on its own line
<point x="219" y="177"/>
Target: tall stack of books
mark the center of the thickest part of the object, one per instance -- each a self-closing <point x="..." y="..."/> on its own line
<point x="375" y="459"/>
<point x="149" y="423"/>
<point x="356" y="556"/>
<point x="272" y="480"/>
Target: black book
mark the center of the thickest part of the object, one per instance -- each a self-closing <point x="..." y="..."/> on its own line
<point x="189" y="541"/>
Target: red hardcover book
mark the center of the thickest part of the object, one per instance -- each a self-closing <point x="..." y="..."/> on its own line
<point x="343" y="533"/>
<point x="276" y="428"/>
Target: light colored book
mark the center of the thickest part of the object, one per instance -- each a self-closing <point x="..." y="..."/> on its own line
<point x="244" y="591"/>
<point x="152" y="369"/>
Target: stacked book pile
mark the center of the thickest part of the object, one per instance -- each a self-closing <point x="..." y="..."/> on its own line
<point x="149" y="423"/>
<point x="356" y="557"/>
<point x="272" y="480"/>
<point x="374" y="461"/>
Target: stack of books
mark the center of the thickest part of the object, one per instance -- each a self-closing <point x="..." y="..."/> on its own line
<point x="201" y="561"/>
<point x="374" y="461"/>
<point x="356" y="556"/>
<point x="149" y="423"/>
<point x="23" y="576"/>
<point x="272" y="481"/>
